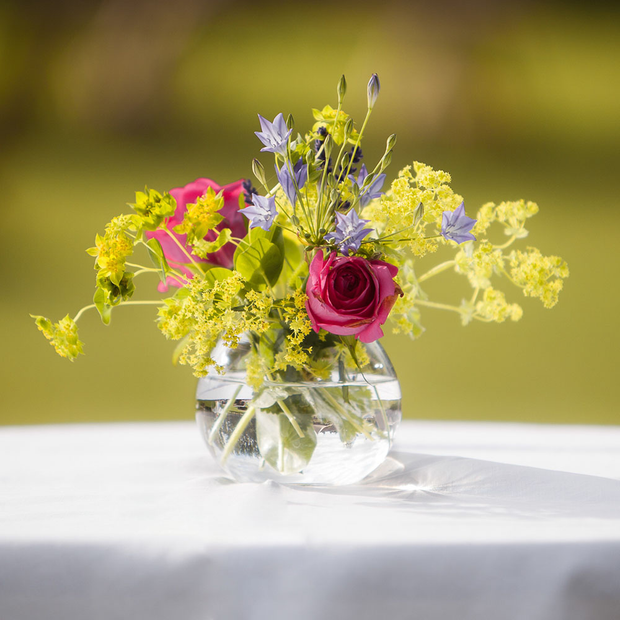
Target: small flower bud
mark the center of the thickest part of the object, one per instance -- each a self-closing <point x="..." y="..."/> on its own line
<point x="342" y="89"/>
<point x="391" y="141"/>
<point x="348" y="128"/>
<point x="418" y="214"/>
<point x="373" y="90"/>
<point x="259" y="171"/>
<point x="328" y="145"/>
<point x="386" y="161"/>
<point x="290" y="122"/>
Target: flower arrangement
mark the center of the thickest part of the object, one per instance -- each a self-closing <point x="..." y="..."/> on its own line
<point x="306" y="271"/>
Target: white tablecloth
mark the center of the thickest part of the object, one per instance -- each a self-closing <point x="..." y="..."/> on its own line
<point x="465" y="520"/>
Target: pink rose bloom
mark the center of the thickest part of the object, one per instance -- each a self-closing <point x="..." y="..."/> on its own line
<point x="351" y="295"/>
<point x="233" y="219"/>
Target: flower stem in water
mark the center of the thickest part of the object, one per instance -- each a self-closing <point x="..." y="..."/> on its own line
<point x="218" y="424"/>
<point x="236" y="434"/>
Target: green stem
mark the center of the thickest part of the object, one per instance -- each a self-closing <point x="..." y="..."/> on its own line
<point x="81" y="312"/>
<point x="436" y="270"/>
<point x="357" y="143"/>
<point x="291" y="418"/>
<point x="297" y="271"/>
<point x="236" y="434"/>
<point x="345" y="414"/>
<point x="504" y="272"/>
<point x="505" y="245"/>
<point x="218" y="423"/>
<point x="319" y="213"/>
<point x="434" y="304"/>
<point x="193" y="262"/>
<point x="123" y="303"/>
<point x="141" y="267"/>
<point x="297" y="191"/>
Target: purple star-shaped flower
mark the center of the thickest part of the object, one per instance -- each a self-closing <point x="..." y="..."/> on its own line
<point x="274" y="135"/>
<point x="455" y="225"/>
<point x="373" y="190"/>
<point x="350" y="232"/>
<point x="285" y="178"/>
<point x="262" y="212"/>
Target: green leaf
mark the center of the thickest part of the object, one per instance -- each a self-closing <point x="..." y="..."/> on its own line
<point x="105" y="311"/>
<point x="156" y="254"/>
<point x="294" y="264"/>
<point x="242" y="204"/>
<point x="217" y="274"/>
<point x="280" y="444"/>
<point x="260" y="261"/>
<point x="202" y="247"/>
<point x="43" y="323"/>
<point x="178" y="350"/>
<point x="274" y="235"/>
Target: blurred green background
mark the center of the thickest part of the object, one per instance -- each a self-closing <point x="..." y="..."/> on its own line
<point x="514" y="99"/>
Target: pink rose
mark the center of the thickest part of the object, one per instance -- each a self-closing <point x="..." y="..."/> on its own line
<point x="351" y="295"/>
<point x="233" y="219"/>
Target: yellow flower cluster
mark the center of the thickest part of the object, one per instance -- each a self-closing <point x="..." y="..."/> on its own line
<point x="353" y="354"/>
<point x="394" y="216"/>
<point x="494" y="307"/>
<point x="478" y="264"/>
<point x="63" y="336"/>
<point x="153" y="208"/>
<point x="335" y="122"/>
<point x="204" y="311"/>
<point x="296" y="319"/>
<point x="113" y="249"/>
<point x="405" y="315"/>
<point x="539" y="276"/>
<point x="512" y="214"/>
<point x="402" y="223"/>
<point x="202" y="216"/>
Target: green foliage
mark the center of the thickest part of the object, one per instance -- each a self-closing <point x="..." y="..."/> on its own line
<point x="280" y="444"/>
<point x="259" y="257"/>
<point x="202" y="216"/>
<point x="152" y="209"/>
<point x="335" y="124"/>
<point x="158" y="258"/>
<point x="202" y="248"/>
<point x="63" y="336"/>
<point x="113" y="293"/>
<point x="113" y="249"/>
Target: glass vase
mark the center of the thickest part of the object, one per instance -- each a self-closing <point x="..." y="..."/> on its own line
<point x="330" y="427"/>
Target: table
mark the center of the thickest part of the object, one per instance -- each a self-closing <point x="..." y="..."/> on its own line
<point x="477" y="521"/>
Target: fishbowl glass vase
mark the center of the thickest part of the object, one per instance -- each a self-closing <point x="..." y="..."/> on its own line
<point x="329" y="427"/>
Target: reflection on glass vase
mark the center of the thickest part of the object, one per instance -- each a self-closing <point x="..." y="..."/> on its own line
<point x="332" y="425"/>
